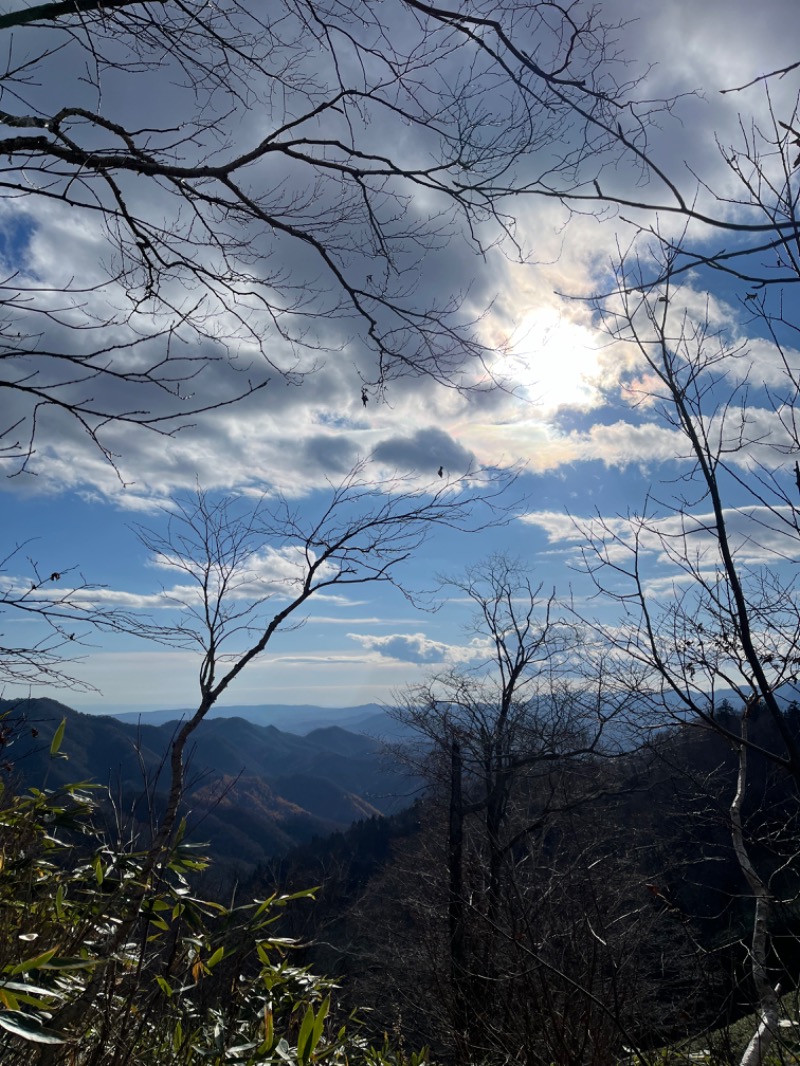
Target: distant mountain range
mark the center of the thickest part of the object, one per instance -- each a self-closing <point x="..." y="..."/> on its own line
<point x="253" y="789"/>
<point x="369" y="718"/>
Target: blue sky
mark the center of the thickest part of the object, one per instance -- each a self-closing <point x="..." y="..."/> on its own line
<point x="565" y="416"/>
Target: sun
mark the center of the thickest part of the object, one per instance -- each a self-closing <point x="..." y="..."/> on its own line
<point x="552" y="362"/>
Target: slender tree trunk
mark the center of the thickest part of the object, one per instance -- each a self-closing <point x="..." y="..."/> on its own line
<point x="455" y="862"/>
<point x="496" y="805"/>
<point x="768" y="1005"/>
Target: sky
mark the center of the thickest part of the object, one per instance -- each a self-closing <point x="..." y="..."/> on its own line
<point x="565" y="413"/>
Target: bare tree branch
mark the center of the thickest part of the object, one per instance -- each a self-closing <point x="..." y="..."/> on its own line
<point x="268" y="244"/>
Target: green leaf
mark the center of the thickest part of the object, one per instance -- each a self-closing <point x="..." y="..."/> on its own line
<point x="304" y="893"/>
<point x="262" y="954"/>
<point x="305" y="1039"/>
<point x="193" y="864"/>
<point x="164" y="985"/>
<point x="264" y="905"/>
<point x="208" y="904"/>
<point x="215" y="958"/>
<point x="70" y="963"/>
<point x="58" y="736"/>
<point x="8" y="999"/>
<point x="177" y="1036"/>
<point x="28" y="1000"/>
<point x="34" y="963"/>
<point x="98" y="869"/>
<point x="28" y="1028"/>
<point x="319" y="1024"/>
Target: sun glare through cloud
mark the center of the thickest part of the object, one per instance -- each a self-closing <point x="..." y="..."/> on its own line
<point x="552" y="362"/>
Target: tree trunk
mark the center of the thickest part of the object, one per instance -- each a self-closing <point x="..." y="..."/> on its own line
<point x="768" y="1006"/>
<point x="455" y="848"/>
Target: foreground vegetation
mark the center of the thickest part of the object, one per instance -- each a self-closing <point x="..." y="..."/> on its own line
<point x="619" y="935"/>
<point x="109" y="957"/>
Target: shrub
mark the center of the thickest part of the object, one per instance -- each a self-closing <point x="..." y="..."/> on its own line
<point x="108" y="957"/>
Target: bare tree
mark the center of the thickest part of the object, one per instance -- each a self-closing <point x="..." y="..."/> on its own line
<point x="233" y="604"/>
<point x="62" y="610"/>
<point x="261" y="185"/>
<point x="196" y="200"/>
<point x="511" y="745"/>
<point x="725" y="529"/>
<point x="739" y="222"/>
<point x="705" y="576"/>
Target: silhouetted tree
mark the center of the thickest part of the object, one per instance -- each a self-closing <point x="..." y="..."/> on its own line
<point x="513" y="748"/>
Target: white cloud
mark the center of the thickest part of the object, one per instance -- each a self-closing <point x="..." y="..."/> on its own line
<point x="758" y="535"/>
<point x="419" y="648"/>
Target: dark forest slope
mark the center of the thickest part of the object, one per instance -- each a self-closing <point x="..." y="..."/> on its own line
<point x="253" y="790"/>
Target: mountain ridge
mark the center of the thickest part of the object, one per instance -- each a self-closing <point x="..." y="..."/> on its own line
<point x="291" y="718"/>
<point x="254" y="790"/>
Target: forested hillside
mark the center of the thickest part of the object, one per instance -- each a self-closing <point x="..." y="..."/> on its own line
<point x="622" y="911"/>
<point x="252" y="791"/>
<point x="616" y="911"/>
